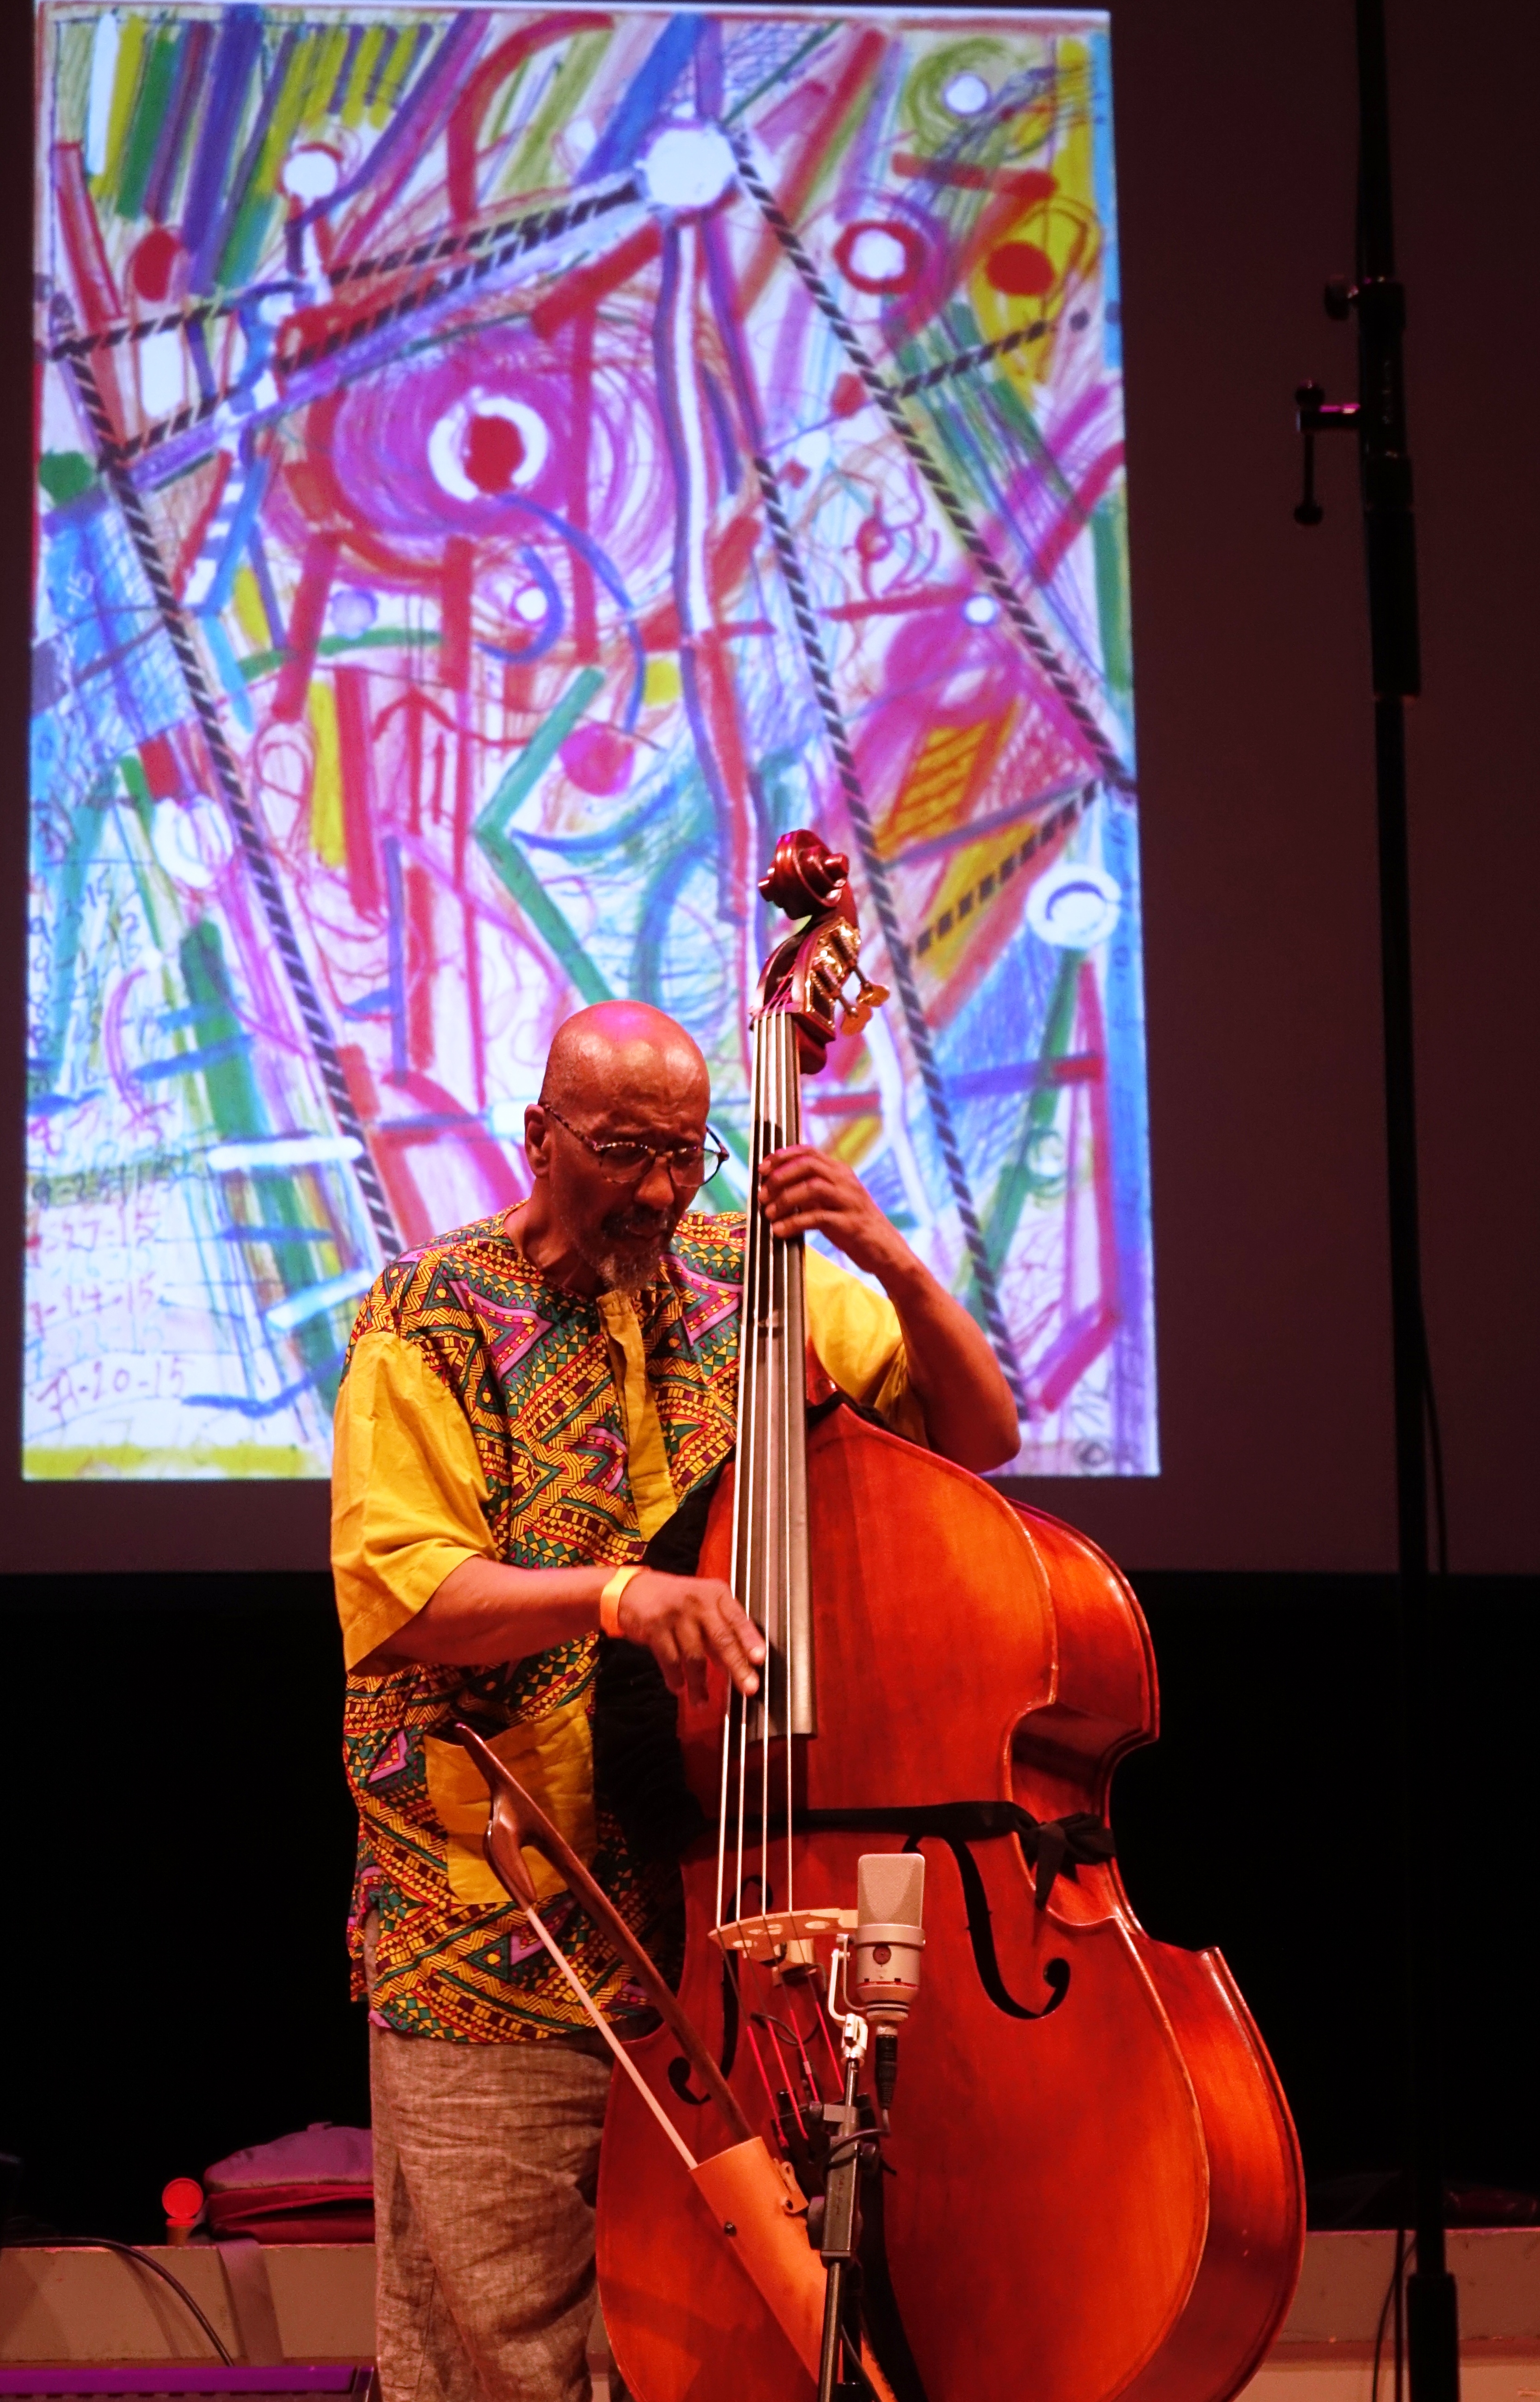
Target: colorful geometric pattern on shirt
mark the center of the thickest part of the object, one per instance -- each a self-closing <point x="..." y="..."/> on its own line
<point x="530" y="1366"/>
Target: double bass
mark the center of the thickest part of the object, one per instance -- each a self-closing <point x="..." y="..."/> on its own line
<point x="1088" y="2179"/>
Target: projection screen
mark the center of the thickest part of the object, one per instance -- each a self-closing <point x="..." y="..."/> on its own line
<point x="496" y="470"/>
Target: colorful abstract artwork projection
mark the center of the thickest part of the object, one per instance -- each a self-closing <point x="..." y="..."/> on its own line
<point x="496" y="470"/>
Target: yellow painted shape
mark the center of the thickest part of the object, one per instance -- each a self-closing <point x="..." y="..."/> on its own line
<point x="292" y="108"/>
<point x="98" y="1463"/>
<point x="364" y="67"/>
<point x="250" y="615"/>
<point x="390" y="82"/>
<point x="1067" y="227"/>
<point x="552" y="1758"/>
<point x="662" y="681"/>
<point x="327" y="839"/>
<point x="131" y="39"/>
<point x="572" y="79"/>
<point x="963" y="871"/>
<point x="932" y="792"/>
<point x="330" y="49"/>
<point x="853" y="1138"/>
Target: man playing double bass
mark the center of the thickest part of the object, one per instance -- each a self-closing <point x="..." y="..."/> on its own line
<point x="524" y="1402"/>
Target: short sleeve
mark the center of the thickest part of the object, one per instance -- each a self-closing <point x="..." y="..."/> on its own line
<point x="857" y="1336"/>
<point x="408" y="1491"/>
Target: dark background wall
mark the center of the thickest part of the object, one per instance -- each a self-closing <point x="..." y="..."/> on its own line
<point x="177" y="1834"/>
<point x="179" y="1847"/>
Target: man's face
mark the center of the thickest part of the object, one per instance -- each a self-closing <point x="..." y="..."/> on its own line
<point x="620" y="1229"/>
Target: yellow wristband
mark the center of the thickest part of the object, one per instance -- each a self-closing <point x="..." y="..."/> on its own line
<point x="609" y="1600"/>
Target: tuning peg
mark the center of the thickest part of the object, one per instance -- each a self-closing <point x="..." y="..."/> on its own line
<point x="855" y="1014"/>
<point x="1338" y="298"/>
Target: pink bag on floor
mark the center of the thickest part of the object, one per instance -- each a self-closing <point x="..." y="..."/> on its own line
<point x="312" y="2187"/>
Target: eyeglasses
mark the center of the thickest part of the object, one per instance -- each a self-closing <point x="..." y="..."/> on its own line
<point x="689" y="1164"/>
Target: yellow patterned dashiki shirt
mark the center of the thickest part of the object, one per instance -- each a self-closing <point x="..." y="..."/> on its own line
<point x="485" y="1414"/>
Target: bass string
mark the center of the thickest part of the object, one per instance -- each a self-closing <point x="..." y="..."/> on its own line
<point x="748" y="1558"/>
<point x="743" y="1477"/>
<point x="762" y="1523"/>
<point x="771" y="1456"/>
<point x="792" y="1379"/>
<point x="764" y="1533"/>
<point x="775" y="1582"/>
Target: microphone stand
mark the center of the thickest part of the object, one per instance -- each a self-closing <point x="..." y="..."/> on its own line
<point x="1379" y="419"/>
<point x="839" y="2220"/>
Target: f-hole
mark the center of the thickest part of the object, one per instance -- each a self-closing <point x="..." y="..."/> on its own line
<point x="981" y="1935"/>
<point x="679" y="2067"/>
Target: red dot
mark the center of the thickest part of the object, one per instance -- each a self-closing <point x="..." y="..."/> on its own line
<point x="598" y="759"/>
<point x="153" y="262"/>
<point x="493" y="452"/>
<point x="181" y="2201"/>
<point x="848" y="395"/>
<point x="1021" y="268"/>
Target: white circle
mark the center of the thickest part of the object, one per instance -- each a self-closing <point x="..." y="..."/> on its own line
<point x="966" y="94"/>
<point x="1074" y="906"/>
<point x="447" y="443"/>
<point x="353" y="610"/>
<point x="981" y="610"/>
<point x="531" y="604"/>
<point x="878" y="256"/>
<point x="581" y="136"/>
<point x="687" y="166"/>
<point x="192" y="841"/>
<point x="311" y="172"/>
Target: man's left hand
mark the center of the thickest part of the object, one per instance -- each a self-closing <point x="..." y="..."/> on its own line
<point x="970" y="1414"/>
<point x="804" y="1192"/>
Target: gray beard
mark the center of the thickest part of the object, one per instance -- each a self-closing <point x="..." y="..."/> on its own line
<point x="629" y="1271"/>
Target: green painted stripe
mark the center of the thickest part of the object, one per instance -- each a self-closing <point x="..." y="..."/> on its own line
<point x="538" y="753"/>
<point x="814" y="42"/>
<point x="155" y="89"/>
<point x="377" y="638"/>
<point x="1023" y="1181"/>
<point x="512" y="867"/>
<point x="521" y="881"/>
<point x="1109" y="550"/>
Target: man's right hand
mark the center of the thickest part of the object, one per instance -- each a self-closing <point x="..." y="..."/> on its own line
<point x="487" y="1611"/>
<point x="686" y="1623"/>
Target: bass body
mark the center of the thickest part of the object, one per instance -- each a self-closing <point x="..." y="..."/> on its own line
<point x="1095" y="2184"/>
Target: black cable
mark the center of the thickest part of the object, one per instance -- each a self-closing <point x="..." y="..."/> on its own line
<point x="127" y="2252"/>
<point x="842" y="2147"/>
<point x="1391" y="2292"/>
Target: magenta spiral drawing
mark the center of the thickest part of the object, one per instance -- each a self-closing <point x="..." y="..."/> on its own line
<point x="497" y="469"/>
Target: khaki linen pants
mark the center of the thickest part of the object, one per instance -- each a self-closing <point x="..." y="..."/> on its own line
<point x="486" y="2168"/>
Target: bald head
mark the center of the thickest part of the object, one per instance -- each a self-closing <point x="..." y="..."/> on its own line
<point x="624" y="1074"/>
<point x="620" y="1052"/>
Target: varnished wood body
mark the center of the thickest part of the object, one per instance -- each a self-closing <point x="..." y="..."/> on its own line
<point x="1102" y="2201"/>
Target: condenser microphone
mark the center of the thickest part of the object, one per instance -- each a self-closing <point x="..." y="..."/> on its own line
<point x="885" y="1950"/>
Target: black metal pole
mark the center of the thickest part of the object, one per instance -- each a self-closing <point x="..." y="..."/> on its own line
<point x="1378" y="417"/>
<point x="1391" y="564"/>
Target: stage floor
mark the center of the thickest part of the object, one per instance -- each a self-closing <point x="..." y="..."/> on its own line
<point x="86" y="2306"/>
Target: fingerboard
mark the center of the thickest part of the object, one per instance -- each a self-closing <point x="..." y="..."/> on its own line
<point x="770" y="1505"/>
